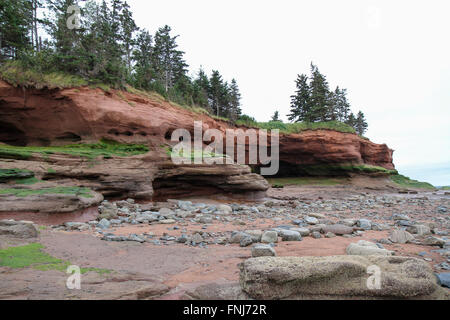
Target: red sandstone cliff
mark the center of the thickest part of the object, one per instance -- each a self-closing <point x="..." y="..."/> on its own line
<point x="55" y="117"/>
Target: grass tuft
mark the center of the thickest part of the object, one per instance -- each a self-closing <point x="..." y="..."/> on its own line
<point x="409" y="183"/>
<point x="104" y="148"/>
<point x="78" y="191"/>
<point x="32" y="256"/>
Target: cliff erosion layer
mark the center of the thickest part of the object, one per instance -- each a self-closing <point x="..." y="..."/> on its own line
<point x="31" y="117"/>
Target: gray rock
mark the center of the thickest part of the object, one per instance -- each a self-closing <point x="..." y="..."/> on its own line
<point x="197" y="238"/>
<point x="166" y="212"/>
<point x="401" y="236"/>
<point x="262" y="250"/>
<point x="364" y="224"/>
<point x="316" y="235"/>
<point x="444" y="279"/>
<point x="269" y="237"/>
<point x="246" y="242"/>
<point x="104" y="224"/>
<point x="18" y="229"/>
<point x="338" y="229"/>
<point x="344" y="277"/>
<point x="256" y="235"/>
<point x="224" y="209"/>
<point x="398" y="216"/>
<point x="311" y="220"/>
<point x="366" y="248"/>
<point x="433" y="241"/>
<point x="419" y="229"/>
<point x="238" y="236"/>
<point x="304" y="232"/>
<point x="289" y="235"/>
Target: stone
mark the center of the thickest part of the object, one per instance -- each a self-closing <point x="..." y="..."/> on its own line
<point x="18" y="229"/>
<point x="238" y="236"/>
<point x="289" y="235"/>
<point x="311" y="220"/>
<point x="304" y="232"/>
<point x="256" y="235"/>
<point x="338" y="229"/>
<point x="224" y="209"/>
<point x="262" y="250"/>
<point x="366" y="248"/>
<point x="364" y="224"/>
<point x="330" y="235"/>
<point x="419" y="229"/>
<point x="316" y="235"/>
<point x="104" y="224"/>
<point x="166" y="212"/>
<point x="197" y="238"/>
<point x="206" y="220"/>
<point x="338" y="277"/>
<point x="433" y="241"/>
<point x="401" y="236"/>
<point x="444" y="279"/>
<point x="167" y="221"/>
<point x="269" y="237"/>
<point x="400" y="217"/>
<point x="245" y="242"/>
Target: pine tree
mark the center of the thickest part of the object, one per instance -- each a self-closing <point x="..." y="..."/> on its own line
<point x="351" y="120"/>
<point x="128" y="29"/>
<point x="16" y="19"/>
<point x="360" y="124"/>
<point x="339" y="108"/>
<point x="215" y="91"/>
<point x="319" y="103"/>
<point x="142" y="56"/>
<point x="276" y="117"/>
<point x="168" y="62"/>
<point x="301" y="101"/>
<point x="235" y="101"/>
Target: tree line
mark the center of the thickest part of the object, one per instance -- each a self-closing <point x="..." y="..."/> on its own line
<point x="314" y="102"/>
<point x="108" y="47"/>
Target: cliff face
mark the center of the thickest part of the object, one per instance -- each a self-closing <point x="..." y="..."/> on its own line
<point x="30" y="117"/>
<point x="57" y="117"/>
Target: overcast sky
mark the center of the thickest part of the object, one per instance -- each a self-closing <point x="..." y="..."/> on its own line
<point x="392" y="56"/>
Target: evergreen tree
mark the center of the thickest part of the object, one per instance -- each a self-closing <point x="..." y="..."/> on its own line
<point x="351" y="120"/>
<point x="319" y="99"/>
<point x="142" y="56"/>
<point x="201" y="89"/>
<point x="235" y="101"/>
<point x="301" y="101"/>
<point x="360" y="124"/>
<point x="215" y="91"/>
<point x="128" y="29"/>
<point x="276" y="117"/>
<point x="16" y="19"/>
<point x="168" y="62"/>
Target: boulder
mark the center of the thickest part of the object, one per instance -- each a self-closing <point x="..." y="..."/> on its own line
<point x="366" y="248"/>
<point x="304" y="232"/>
<point x="263" y="250"/>
<point x="401" y="236"/>
<point x="289" y="235"/>
<point x="339" y="277"/>
<point x="18" y="229"/>
<point x="419" y="229"/>
<point x="433" y="241"/>
<point x="338" y="229"/>
<point x="269" y="237"/>
<point x="364" y="224"/>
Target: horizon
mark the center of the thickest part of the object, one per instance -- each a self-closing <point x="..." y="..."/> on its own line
<point x="390" y="57"/>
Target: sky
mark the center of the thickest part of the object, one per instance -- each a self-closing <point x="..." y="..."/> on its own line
<point x="392" y="56"/>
